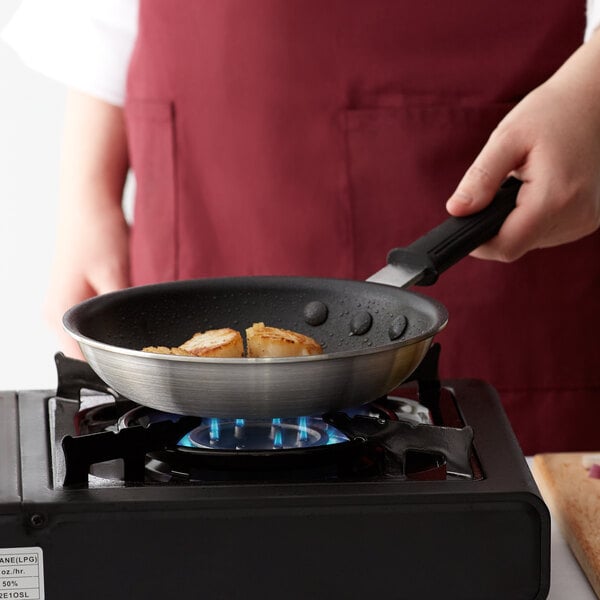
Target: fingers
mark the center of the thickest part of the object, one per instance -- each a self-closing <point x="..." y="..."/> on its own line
<point x="522" y="230"/>
<point x="69" y="346"/>
<point x="549" y="212"/>
<point x="61" y="296"/>
<point x="70" y="289"/>
<point x="501" y="155"/>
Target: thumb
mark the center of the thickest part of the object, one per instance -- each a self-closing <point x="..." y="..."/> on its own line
<point x="483" y="178"/>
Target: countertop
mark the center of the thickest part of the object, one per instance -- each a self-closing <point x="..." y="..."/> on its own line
<point x="567" y="580"/>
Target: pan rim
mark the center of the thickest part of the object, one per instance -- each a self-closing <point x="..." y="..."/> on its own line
<point x="433" y="330"/>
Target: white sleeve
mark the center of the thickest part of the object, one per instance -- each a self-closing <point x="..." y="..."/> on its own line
<point x="85" y="44"/>
<point x="593" y="17"/>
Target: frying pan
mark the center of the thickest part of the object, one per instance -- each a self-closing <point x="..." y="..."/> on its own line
<point x="374" y="333"/>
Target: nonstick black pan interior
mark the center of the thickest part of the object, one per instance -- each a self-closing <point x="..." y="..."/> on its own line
<point x="341" y="315"/>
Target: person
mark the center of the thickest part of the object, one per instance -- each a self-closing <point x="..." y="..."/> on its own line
<point x="308" y="137"/>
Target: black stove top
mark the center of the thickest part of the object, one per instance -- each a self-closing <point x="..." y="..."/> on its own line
<point x="422" y="494"/>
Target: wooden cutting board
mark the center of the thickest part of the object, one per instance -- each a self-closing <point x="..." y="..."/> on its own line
<point x="574" y="501"/>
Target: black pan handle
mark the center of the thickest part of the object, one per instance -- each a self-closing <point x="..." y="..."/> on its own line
<point x="456" y="237"/>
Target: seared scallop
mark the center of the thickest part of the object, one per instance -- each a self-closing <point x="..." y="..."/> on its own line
<point x="215" y="343"/>
<point x="272" y="342"/>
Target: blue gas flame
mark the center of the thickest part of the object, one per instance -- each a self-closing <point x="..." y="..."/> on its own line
<point x="214" y="430"/>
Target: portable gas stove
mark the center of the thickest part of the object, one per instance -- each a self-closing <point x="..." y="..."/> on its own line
<point x="422" y="494"/>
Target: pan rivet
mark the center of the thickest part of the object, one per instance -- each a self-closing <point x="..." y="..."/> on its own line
<point x="397" y="327"/>
<point x="361" y="323"/>
<point x="315" y="313"/>
<point x="37" y="520"/>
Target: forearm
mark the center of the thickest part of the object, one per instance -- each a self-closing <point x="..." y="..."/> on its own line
<point x="91" y="254"/>
<point x="94" y="160"/>
<point x="579" y="77"/>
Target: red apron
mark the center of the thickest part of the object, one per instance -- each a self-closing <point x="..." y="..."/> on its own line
<point x="309" y="137"/>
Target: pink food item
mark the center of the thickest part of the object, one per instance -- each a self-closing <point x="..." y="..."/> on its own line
<point x="594" y="471"/>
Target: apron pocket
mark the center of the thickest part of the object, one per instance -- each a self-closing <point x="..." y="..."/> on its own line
<point x="151" y="138"/>
<point x="403" y="162"/>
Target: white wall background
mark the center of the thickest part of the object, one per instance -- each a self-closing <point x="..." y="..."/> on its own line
<point x="31" y="113"/>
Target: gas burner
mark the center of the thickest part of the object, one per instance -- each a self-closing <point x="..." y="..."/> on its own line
<point x="261" y="434"/>
<point x="243" y="434"/>
<point x="276" y="434"/>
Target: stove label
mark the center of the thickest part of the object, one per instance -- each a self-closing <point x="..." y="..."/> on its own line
<point x="21" y="574"/>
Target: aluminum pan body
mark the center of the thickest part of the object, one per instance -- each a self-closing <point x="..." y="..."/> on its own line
<point x="354" y="369"/>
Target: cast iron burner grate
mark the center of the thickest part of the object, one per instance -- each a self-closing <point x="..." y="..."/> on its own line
<point x="153" y="447"/>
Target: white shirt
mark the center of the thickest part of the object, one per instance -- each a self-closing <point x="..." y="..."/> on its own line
<point x="87" y="44"/>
